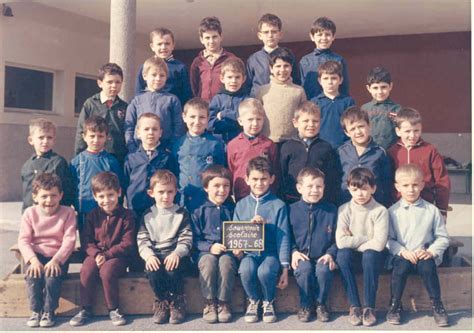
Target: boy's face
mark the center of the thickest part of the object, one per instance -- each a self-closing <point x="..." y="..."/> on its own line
<point x="259" y="182"/>
<point x="211" y="40"/>
<point x="251" y="122"/>
<point x="155" y="78"/>
<point x="162" y="46"/>
<point x="322" y="39"/>
<point x="308" y="125"/>
<point x="95" y="140"/>
<point x="196" y="120"/>
<point x="362" y="195"/>
<point x="281" y="70"/>
<point x="107" y="199"/>
<point x="409" y="186"/>
<point x="311" y="189"/>
<point x="42" y="140"/>
<point x="110" y="85"/>
<point x="408" y="133"/>
<point x="270" y="35"/>
<point x="232" y="80"/>
<point x="380" y="91"/>
<point x="163" y="194"/>
<point x="48" y="200"/>
<point x="330" y="83"/>
<point x="149" y="132"/>
<point x="218" y="190"/>
<point x="358" y="131"/>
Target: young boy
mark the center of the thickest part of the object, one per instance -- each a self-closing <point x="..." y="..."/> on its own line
<point x="249" y="144"/>
<point x="361" y="235"/>
<point x="155" y="100"/>
<point x="108" y="105"/>
<point x="313" y="223"/>
<point x="108" y="239"/>
<point x="322" y="33"/>
<point x="258" y="64"/>
<point x="362" y="151"/>
<point x="217" y="267"/>
<point x="280" y="97"/>
<point x="332" y="103"/>
<point x="206" y="67"/>
<point x="164" y="240"/>
<point x="91" y="162"/>
<point x="382" y="110"/>
<point x="42" y="136"/>
<point x="417" y="240"/>
<point x="194" y="152"/>
<point x="307" y="149"/>
<point x="142" y="164"/>
<point x="262" y="272"/>
<point x="223" y="109"/>
<point x="162" y="44"/>
<point x="411" y="148"/>
<point x="46" y="240"/>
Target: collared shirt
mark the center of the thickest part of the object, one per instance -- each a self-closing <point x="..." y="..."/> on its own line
<point x="211" y="56"/>
<point x="382" y="116"/>
<point x="104" y="99"/>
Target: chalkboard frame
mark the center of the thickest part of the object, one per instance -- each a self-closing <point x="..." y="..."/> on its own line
<point x="262" y="230"/>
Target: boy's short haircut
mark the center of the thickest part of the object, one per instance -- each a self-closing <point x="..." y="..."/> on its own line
<point x="410" y="169"/>
<point x="309" y="172"/>
<point x="261" y="164"/>
<point x="105" y="181"/>
<point x="110" y="69"/>
<point x="407" y="114"/>
<point x="163" y="177"/>
<point x="196" y="103"/>
<point x="323" y="23"/>
<point x="377" y="75"/>
<point x="148" y="115"/>
<point x="41" y="124"/>
<point x="359" y="177"/>
<point x="353" y="114"/>
<point x="155" y="62"/>
<point x="210" y="23"/>
<point x="307" y="107"/>
<point x="330" y="67"/>
<point x="161" y="31"/>
<point x="270" y="19"/>
<point x="233" y="64"/>
<point x="281" y="53"/>
<point x="251" y="105"/>
<point x="215" y="171"/>
<point x="95" y="124"/>
<point x="46" y="181"/>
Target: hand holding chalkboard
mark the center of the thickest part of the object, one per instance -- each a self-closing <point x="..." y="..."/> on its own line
<point x="246" y="236"/>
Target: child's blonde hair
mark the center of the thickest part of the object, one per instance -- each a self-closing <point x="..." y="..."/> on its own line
<point x="148" y="115"/>
<point x="251" y="105"/>
<point x="155" y="62"/>
<point x="410" y="169"/>
<point x="41" y="124"/>
<point x="163" y="177"/>
<point x="407" y="114"/>
<point x="161" y="32"/>
<point x="233" y="64"/>
<point x="307" y="107"/>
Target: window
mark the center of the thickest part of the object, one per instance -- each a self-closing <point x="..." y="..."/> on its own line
<point x="85" y="88"/>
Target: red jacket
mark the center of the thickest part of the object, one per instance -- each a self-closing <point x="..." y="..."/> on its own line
<point x="437" y="184"/>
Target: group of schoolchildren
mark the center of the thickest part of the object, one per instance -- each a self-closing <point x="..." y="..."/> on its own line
<point x="323" y="198"/>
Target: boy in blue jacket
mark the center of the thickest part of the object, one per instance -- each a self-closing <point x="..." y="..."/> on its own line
<point x="313" y="222"/>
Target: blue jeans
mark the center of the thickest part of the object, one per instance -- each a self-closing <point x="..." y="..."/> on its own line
<point x="314" y="281"/>
<point x="371" y="264"/>
<point x="259" y="276"/>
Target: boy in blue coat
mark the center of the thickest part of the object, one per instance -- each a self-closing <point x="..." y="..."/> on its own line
<point x="314" y="248"/>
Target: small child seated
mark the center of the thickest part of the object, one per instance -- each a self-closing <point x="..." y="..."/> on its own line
<point x="313" y="223"/>
<point x="164" y="241"/>
<point x="108" y="240"/>
<point x="217" y="267"/>
<point x="417" y="240"/>
<point x="361" y="236"/>
<point x="46" y="240"/>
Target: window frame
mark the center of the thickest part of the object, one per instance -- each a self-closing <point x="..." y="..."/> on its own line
<point x="83" y="76"/>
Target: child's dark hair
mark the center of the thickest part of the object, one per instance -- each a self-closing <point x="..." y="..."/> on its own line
<point x="407" y="114"/>
<point x="330" y="67"/>
<point x="353" y="114"/>
<point x="270" y="19"/>
<point x="96" y="124"/>
<point x="46" y="181"/>
<point x="111" y="69"/>
<point x="359" y="177"/>
<point x="282" y="53"/>
<point x="210" y="23"/>
<point x="196" y="103"/>
<point x="261" y="164"/>
<point x="161" y="32"/>
<point x="323" y="23"/>
<point x="309" y="172"/>
<point x="105" y="181"/>
<point x="377" y="75"/>
<point x="214" y="171"/>
<point x="163" y="177"/>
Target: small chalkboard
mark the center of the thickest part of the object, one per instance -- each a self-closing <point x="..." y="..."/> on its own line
<point x="243" y="235"/>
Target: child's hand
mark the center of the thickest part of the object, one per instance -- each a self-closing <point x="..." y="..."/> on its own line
<point x="424" y="254"/>
<point x="258" y="219"/>
<point x="152" y="264"/>
<point x="52" y="268"/>
<point x="238" y="254"/>
<point x="36" y="268"/>
<point x="296" y="257"/>
<point x="346" y="231"/>
<point x="171" y="262"/>
<point x="328" y="260"/>
<point x="283" y="281"/>
<point x="100" y="260"/>
<point x="217" y="249"/>
<point x="410" y="256"/>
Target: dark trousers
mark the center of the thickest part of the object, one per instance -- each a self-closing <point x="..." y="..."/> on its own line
<point x="425" y="268"/>
<point x="314" y="281"/>
<point x="109" y="273"/>
<point x="217" y="275"/>
<point x="166" y="284"/>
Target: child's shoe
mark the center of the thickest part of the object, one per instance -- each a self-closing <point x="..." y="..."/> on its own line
<point x="47" y="319"/>
<point x="268" y="312"/>
<point x="223" y="312"/>
<point x="368" y="317"/>
<point x="304" y="314"/>
<point x="177" y="309"/>
<point x="355" y="315"/>
<point x="439" y="313"/>
<point x="394" y="314"/>
<point x="251" y="315"/>
<point x="34" y="320"/>
<point x="117" y="318"/>
<point x="161" y="311"/>
<point x="322" y="313"/>
<point x="81" y="318"/>
<point x="209" y="314"/>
